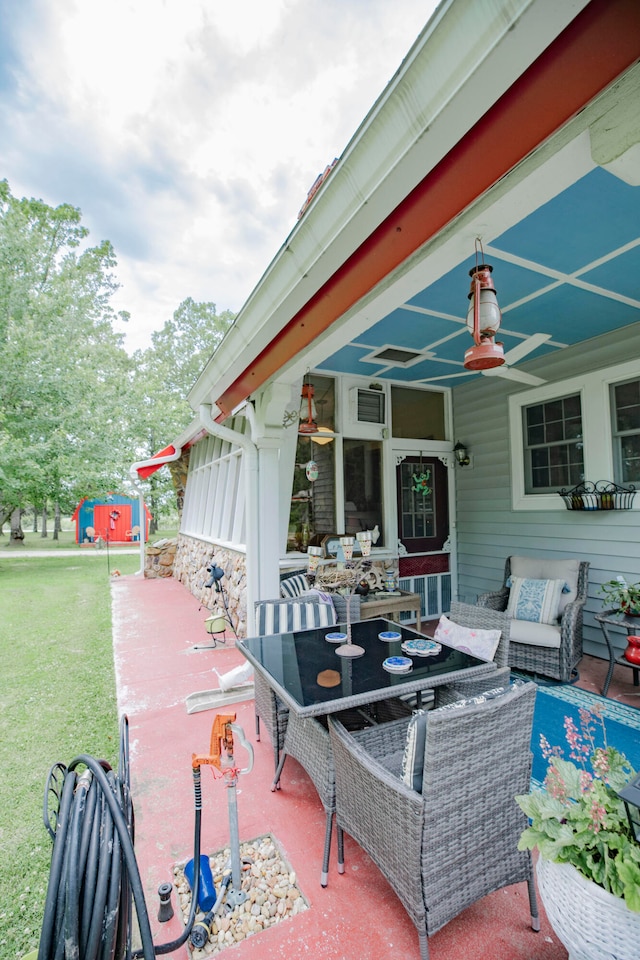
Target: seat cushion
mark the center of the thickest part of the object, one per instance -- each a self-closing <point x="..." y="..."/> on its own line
<point x="535" y="634"/>
<point x="541" y="568"/>
<point x="479" y="643"/>
<point x="534" y="600"/>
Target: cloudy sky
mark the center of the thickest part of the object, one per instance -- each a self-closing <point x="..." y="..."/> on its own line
<point x="188" y="132"/>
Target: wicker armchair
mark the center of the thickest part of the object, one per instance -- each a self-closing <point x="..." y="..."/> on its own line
<point x="281" y="616"/>
<point x="549" y="650"/>
<point x="444" y="848"/>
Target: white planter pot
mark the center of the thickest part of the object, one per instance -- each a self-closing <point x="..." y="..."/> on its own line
<point x="591" y="923"/>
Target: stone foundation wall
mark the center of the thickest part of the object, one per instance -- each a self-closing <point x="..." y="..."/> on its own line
<point x="192" y="558"/>
<point x="159" y="558"/>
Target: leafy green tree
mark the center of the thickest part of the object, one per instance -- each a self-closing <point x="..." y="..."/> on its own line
<point x="165" y="373"/>
<point x="62" y="367"/>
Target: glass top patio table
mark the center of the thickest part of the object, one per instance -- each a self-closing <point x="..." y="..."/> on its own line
<point x="297" y="666"/>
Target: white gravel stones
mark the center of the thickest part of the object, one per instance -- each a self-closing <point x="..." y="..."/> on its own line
<point x="270" y="885"/>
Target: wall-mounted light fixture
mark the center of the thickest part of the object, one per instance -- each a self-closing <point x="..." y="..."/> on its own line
<point x="483" y="318"/>
<point x="461" y="454"/>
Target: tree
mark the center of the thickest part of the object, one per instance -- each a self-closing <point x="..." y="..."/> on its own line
<point x="165" y="373"/>
<point x="62" y="367"/>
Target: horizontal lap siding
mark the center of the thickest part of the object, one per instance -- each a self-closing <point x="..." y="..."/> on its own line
<point x="488" y="530"/>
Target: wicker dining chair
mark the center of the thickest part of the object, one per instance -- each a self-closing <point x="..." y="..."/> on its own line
<point x="283" y="616"/>
<point x="447" y="846"/>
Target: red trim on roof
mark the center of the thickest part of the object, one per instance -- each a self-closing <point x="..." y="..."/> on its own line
<point x="599" y="45"/>
<point x="145" y="472"/>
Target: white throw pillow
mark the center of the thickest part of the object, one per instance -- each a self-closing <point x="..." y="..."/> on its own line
<point x="479" y="643"/>
<point x="534" y="600"/>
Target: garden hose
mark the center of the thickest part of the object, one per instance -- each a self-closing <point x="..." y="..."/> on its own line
<point x="94" y="877"/>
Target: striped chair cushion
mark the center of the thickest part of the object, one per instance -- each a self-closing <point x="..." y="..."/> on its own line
<point x="286" y="616"/>
<point x="294" y="586"/>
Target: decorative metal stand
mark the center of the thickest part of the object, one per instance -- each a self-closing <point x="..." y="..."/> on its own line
<point x="602" y="495"/>
<point x="346" y="577"/>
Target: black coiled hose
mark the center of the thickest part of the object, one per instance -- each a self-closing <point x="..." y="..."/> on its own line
<point x="94" y="877"/>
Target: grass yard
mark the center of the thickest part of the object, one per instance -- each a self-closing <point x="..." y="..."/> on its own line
<point x="57" y="700"/>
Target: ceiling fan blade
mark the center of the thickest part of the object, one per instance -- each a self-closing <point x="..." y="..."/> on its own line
<point x="508" y="373"/>
<point x="525" y="347"/>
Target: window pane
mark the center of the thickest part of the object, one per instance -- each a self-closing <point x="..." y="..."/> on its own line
<point x="535" y="435"/>
<point x="363" y="486"/>
<point x="626" y="431"/>
<point x="312" y="514"/>
<point x="631" y="459"/>
<point x="418" y="509"/>
<point x="417" y="414"/>
<point x="553" y="445"/>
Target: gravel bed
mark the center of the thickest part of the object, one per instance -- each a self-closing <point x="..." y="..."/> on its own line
<point x="272" y="895"/>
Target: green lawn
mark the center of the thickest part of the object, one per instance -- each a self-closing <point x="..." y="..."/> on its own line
<point x="57" y="700"/>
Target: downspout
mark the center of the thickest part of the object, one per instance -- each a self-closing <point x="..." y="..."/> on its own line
<point x="133" y="473"/>
<point x="249" y="450"/>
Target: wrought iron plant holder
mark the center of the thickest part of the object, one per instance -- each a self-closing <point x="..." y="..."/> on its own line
<point x="602" y="495"/>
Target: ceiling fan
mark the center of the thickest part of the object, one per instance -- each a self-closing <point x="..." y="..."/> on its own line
<point x="516" y="354"/>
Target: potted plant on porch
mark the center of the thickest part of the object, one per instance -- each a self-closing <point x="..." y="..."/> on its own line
<point x="588" y="868"/>
<point x="622" y="595"/>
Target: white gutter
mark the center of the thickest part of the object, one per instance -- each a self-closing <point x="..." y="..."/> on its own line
<point x="251" y="493"/>
<point x="133" y="473"/>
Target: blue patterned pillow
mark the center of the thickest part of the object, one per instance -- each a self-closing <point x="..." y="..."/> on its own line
<point x="535" y="600"/>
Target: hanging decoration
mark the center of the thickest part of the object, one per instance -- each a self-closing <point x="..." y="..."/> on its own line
<point x="421" y="481"/>
<point x="311" y="471"/>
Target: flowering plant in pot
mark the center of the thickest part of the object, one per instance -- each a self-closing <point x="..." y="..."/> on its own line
<point x="579" y="826"/>
<point x="622" y="595"/>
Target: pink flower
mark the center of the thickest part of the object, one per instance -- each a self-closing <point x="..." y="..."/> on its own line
<point x="556" y="787"/>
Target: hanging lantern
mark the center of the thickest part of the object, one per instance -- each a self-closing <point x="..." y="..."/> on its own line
<point x="483" y="319"/>
<point x="307" y="410"/>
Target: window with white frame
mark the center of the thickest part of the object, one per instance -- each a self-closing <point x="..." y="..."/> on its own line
<point x="585" y="428"/>
<point x="625" y="409"/>
<point x="553" y="448"/>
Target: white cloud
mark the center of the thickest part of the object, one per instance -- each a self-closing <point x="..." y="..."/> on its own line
<point x="189" y="131"/>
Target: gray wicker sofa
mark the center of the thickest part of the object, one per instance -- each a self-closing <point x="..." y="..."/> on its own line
<point x="549" y="649"/>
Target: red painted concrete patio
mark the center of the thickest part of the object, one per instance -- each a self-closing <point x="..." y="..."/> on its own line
<point x="157" y="624"/>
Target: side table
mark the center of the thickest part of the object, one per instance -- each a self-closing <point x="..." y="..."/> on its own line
<point x="386" y="604"/>
<point x="616" y="618"/>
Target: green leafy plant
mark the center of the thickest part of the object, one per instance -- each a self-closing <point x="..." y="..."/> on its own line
<point x="623" y="595"/>
<point x="578" y="818"/>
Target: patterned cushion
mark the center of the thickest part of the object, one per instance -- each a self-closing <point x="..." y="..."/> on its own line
<point x="479" y="643"/>
<point x="534" y="600"/>
<point x="413" y="759"/>
<point x="294" y="586"/>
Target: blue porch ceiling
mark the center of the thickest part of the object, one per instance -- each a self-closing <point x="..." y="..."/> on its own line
<point x="571" y="270"/>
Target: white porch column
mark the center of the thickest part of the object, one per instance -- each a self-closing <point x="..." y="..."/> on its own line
<point x="268" y="517"/>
